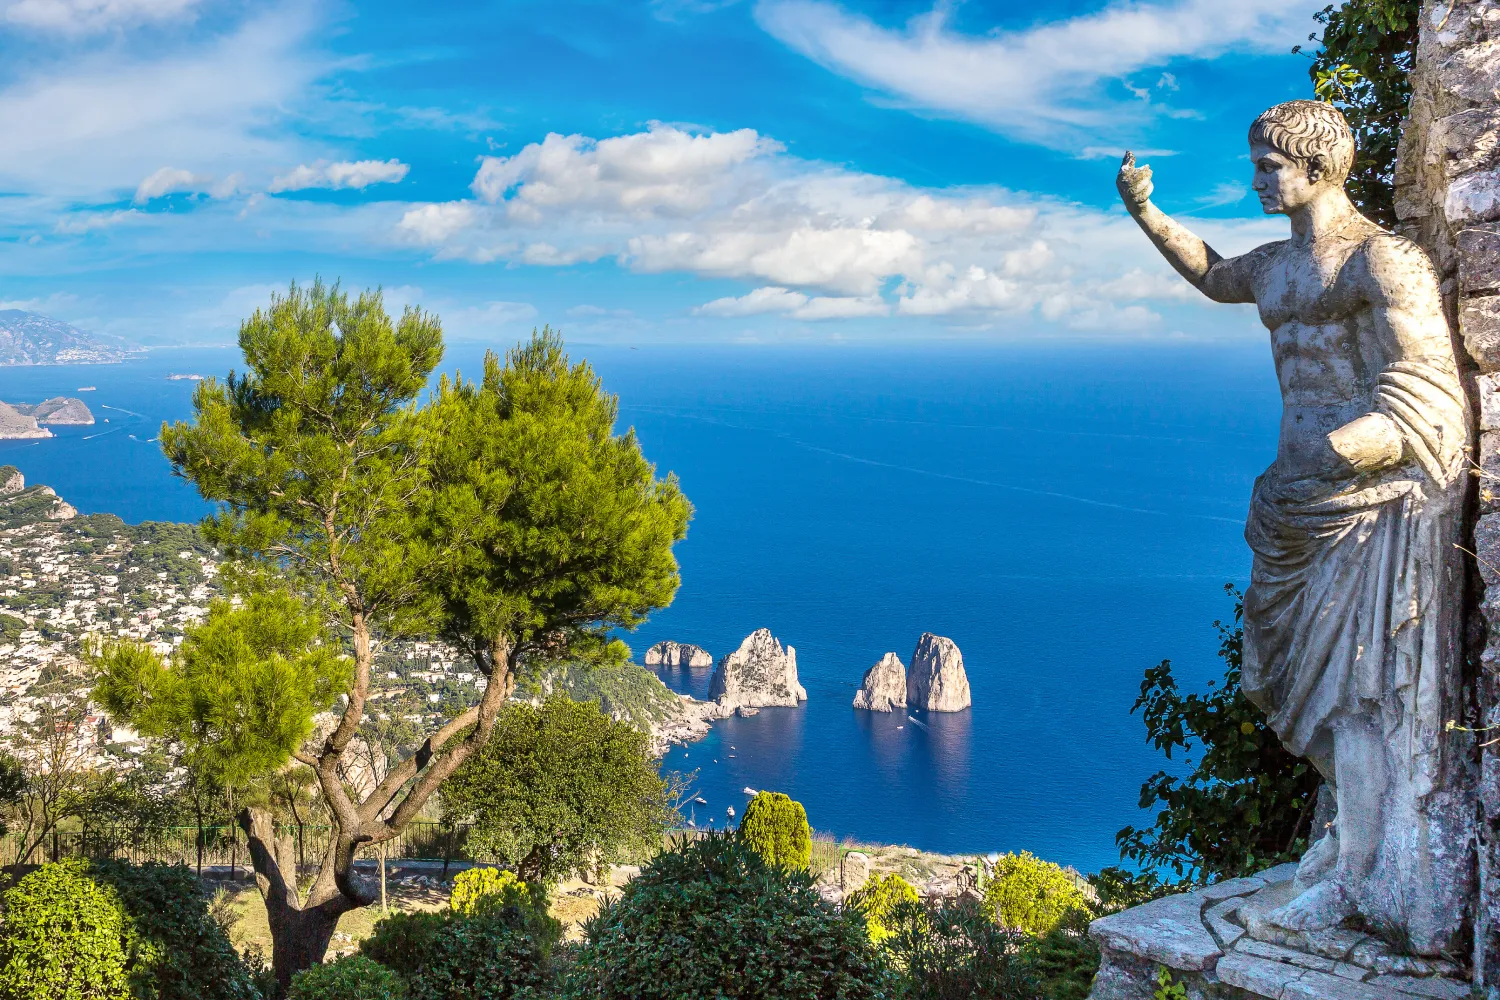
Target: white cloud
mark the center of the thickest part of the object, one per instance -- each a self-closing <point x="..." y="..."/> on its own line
<point x="80" y="223"/>
<point x="1225" y="193"/>
<point x="170" y="180"/>
<point x="1049" y="83"/>
<point x="818" y="242"/>
<point x="762" y="300"/>
<point x="358" y="174"/>
<point x="437" y="223"/>
<point x="210" y="108"/>
<point x="772" y="299"/>
<point x="77" y="17"/>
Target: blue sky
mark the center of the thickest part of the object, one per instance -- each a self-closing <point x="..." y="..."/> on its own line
<point x="668" y="170"/>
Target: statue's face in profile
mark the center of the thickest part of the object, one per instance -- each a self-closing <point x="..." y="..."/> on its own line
<point x="1282" y="183"/>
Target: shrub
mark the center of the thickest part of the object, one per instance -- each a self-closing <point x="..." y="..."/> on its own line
<point x="494" y="955"/>
<point x="1025" y="893"/>
<point x="62" y="938"/>
<point x="878" y="899"/>
<point x="403" y="941"/>
<point x="482" y="888"/>
<point x="951" y="951"/>
<point x="714" y="919"/>
<point x="174" y="948"/>
<point x="775" y="827"/>
<point x="353" y="977"/>
<point x="498" y="952"/>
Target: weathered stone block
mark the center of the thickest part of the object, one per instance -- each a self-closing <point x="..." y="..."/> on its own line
<point x="1167" y="931"/>
<point x="1479" y="258"/>
<point x="1479" y="324"/>
<point x="1466" y="142"/>
<point x="1473" y="198"/>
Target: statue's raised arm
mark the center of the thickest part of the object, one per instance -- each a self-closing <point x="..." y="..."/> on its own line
<point x="1221" y="280"/>
<point x="1353" y="610"/>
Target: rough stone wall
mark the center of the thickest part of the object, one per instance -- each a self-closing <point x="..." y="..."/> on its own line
<point x="1448" y="200"/>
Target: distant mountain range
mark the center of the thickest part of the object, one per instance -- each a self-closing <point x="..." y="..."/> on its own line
<point x="28" y="338"/>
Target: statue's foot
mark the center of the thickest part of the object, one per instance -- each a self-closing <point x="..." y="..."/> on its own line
<point x="1323" y="906"/>
<point x="1318" y="863"/>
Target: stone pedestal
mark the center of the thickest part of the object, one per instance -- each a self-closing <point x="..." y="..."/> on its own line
<point x="1216" y="944"/>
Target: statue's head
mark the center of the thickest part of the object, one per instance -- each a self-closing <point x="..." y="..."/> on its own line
<point x="1300" y="149"/>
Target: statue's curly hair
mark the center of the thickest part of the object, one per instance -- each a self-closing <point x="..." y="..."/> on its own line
<point x="1303" y="129"/>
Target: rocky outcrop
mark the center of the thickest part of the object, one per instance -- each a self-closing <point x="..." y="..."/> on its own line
<point x="15" y="425"/>
<point x="884" y="686"/>
<point x="60" y="410"/>
<point x="936" y="681"/>
<point x="678" y="654"/>
<point x="760" y="674"/>
<point x="11" y="480"/>
<point x="1210" y="943"/>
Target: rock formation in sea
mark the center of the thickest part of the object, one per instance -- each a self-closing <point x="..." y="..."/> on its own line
<point x="678" y="654"/>
<point x="15" y="425"/>
<point x="58" y="410"/>
<point x="936" y="681"/>
<point x="759" y="674"/>
<point x="884" y="686"/>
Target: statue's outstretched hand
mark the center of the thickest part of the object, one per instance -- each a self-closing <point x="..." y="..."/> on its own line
<point x="1134" y="183"/>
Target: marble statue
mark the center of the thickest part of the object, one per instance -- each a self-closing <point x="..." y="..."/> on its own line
<point x="1352" y="614"/>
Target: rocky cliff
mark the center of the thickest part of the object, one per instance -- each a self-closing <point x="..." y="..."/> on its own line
<point x="678" y="654"/>
<point x="759" y="674"/>
<point x="57" y="410"/>
<point x="14" y="425"/>
<point x="936" y="681"/>
<point x="884" y="686"/>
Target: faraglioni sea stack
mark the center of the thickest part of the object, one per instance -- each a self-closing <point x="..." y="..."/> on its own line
<point x="884" y="686"/>
<point x="936" y="681"/>
<point x="760" y="674"/>
<point x="678" y="654"/>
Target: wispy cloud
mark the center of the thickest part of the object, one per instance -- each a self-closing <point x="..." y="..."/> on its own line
<point x="343" y="174"/>
<point x="1051" y="84"/>
<point x="79" y="17"/>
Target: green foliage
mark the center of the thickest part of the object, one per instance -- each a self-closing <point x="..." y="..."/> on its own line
<point x="1119" y="889"/>
<point x="622" y="690"/>
<point x="352" y="977"/>
<point x="481" y="889"/>
<point x="878" y="899"/>
<point x="1363" y="66"/>
<point x="62" y="938"/>
<point x="1247" y="803"/>
<point x="311" y="454"/>
<point x="1166" y="989"/>
<point x="492" y="955"/>
<point x="560" y="787"/>
<point x="403" y="941"/>
<point x="1064" y="963"/>
<point x="775" y="827"/>
<point x="568" y="534"/>
<point x="1027" y="894"/>
<point x="11" y="628"/>
<point x="949" y="950"/>
<point x="713" y="919"/>
<point x="174" y="949"/>
<point x="241" y="690"/>
<point x="12" y="786"/>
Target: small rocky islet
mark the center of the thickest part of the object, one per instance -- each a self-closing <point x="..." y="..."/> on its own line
<point x="936" y="681"/>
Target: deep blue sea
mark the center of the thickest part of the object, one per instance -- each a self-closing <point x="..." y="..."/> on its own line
<point x="1067" y="514"/>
